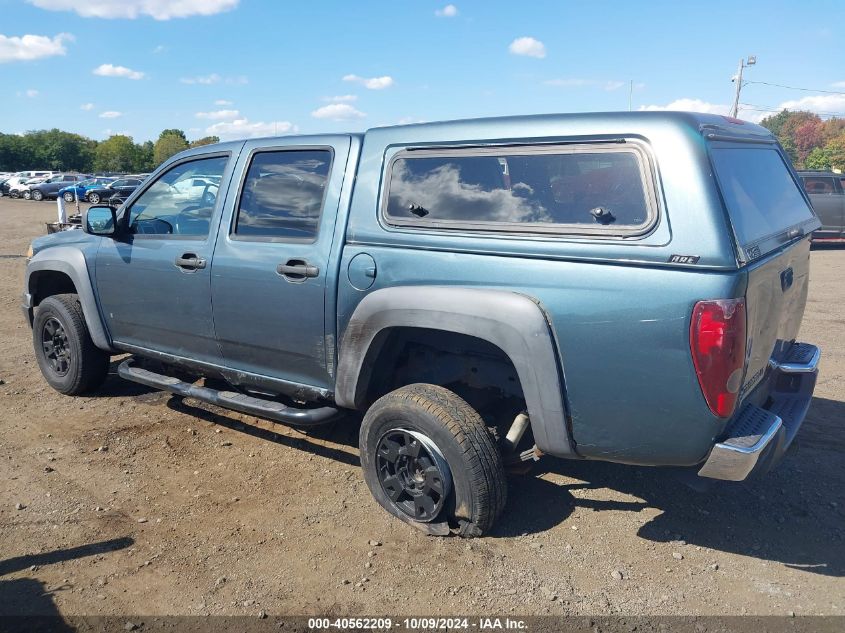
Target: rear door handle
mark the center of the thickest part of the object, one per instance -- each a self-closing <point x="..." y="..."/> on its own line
<point x="189" y="261"/>
<point x="297" y="270"/>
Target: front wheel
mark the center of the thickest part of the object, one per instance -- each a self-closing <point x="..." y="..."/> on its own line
<point x="66" y="355"/>
<point x="68" y="196"/>
<point x="94" y="198"/>
<point x="27" y="195"/>
<point x="429" y="460"/>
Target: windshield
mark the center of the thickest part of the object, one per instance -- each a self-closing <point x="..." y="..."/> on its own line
<point x="762" y="198"/>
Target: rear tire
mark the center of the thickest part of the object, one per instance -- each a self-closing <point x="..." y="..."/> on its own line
<point x="68" y="359"/>
<point x="422" y="440"/>
<point x="37" y="195"/>
<point x="27" y="195"/>
<point x="68" y="196"/>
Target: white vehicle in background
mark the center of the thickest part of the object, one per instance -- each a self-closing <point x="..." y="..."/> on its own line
<point x="23" y="190"/>
<point x="20" y="177"/>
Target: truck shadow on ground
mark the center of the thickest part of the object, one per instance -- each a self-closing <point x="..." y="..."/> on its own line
<point x="791" y="516"/>
<point x="27" y="604"/>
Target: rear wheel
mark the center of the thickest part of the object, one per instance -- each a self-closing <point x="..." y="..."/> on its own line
<point x="68" y="196"/>
<point x="429" y="460"/>
<point x="37" y="195"/>
<point x="27" y="195"/>
<point x="94" y="198"/>
<point x="68" y="358"/>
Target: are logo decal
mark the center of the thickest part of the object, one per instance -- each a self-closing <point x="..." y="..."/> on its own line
<point x="684" y="259"/>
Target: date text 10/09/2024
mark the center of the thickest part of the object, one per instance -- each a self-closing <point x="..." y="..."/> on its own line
<point x="418" y="624"/>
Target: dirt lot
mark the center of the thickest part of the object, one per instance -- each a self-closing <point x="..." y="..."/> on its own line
<point x="134" y="502"/>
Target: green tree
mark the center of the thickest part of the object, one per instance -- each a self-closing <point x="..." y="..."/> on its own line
<point x="205" y="140"/>
<point x="835" y="150"/>
<point x="169" y="142"/>
<point x="817" y="159"/>
<point x="145" y="162"/>
<point x="117" y="153"/>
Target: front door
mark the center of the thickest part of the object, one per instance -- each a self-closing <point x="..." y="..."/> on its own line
<point x="270" y="267"/>
<point x="154" y="280"/>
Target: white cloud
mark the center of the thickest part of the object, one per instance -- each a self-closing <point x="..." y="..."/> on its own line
<point x="697" y="105"/>
<point x="32" y="93"/>
<point x="821" y="104"/>
<point x="111" y="114"/>
<point x="338" y="112"/>
<point x="29" y="47"/>
<point x="219" y="115"/>
<point x="206" y="80"/>
<point x="528" y="46"/>
<point x="341" y="99"/>
<point x="610" y="86"/>
<point x="157" y="9"/>
<point x="110" y="70"/>
<point x="243" y="128"/>
<point x="449" y="11"/>
<point x="222" y="102"/>
<point x="838" y="84"/>
<point x="159" y="49"/>
<point x="87" y="107"/>
<point x="689" y="105"/>
<point x="372" y="83"/>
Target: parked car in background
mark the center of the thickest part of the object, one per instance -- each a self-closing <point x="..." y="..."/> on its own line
<point x="20" y="177"/>
<point x="826" y="191"/>
<point x="115" y="192"/>
<point x="49" y="189"/>
<point x="79" y="190"/>
<point x="22" y="190"/>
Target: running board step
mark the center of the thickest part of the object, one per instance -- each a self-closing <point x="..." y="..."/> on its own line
<point x="243" y="403"/>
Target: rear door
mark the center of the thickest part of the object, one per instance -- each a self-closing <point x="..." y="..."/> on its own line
<point x="771" y="220"/>
<point x="270" y="268"/>
<point x="825" y="193"/>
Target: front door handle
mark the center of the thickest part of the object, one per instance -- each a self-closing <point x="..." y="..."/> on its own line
<point x="189" y="261"/>
<point x="297" y="270"/>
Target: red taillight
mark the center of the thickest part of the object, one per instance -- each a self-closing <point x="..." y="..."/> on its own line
<point x="717" y="342"/>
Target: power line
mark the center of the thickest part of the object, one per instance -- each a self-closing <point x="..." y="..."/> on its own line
<point x="766" y="83"/>
<point x="761" y="108"/>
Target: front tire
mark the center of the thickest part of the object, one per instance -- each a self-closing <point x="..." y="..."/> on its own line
<point x="94" y="198"/>
<point x="429" y="460"/>
<point x="68" y="196"/>
<point x="68" y="359"/>
<point x="27" y="195"/>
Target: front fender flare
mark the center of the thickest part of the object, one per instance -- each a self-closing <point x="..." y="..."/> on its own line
<point x="513" y="322"/>
<point x="71" y="262"/>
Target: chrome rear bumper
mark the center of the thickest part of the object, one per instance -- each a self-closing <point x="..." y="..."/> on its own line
<point x="759" y="436"/>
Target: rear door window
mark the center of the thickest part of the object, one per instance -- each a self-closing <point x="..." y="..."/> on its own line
<point x="762" y="198"/>
<point x="815" y="184"/>
<point x="282" y="195"/>
<point x="572" y="189"/>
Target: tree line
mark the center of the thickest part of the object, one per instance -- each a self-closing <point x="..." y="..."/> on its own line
<point x="810" y="142"/>
<point x="65" y="151"/>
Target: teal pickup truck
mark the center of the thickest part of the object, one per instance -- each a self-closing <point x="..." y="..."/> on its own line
<point x="625" y="287"/>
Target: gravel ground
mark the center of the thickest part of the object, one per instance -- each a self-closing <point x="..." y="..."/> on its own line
<point x="132" y="502"/>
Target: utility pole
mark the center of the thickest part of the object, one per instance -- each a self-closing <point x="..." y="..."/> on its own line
<point x="743" y="64"/>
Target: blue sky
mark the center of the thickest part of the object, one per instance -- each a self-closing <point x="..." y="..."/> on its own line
<point x="240" y="68"/>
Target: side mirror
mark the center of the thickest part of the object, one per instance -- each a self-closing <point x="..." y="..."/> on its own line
<point x="100" y="220"/>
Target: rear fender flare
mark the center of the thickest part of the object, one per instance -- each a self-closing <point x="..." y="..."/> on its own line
<point x="513" y="322"/>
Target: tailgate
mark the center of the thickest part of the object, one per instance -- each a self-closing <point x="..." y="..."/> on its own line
<point x="771" y="219"/>
<point x="775" y="300"/>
